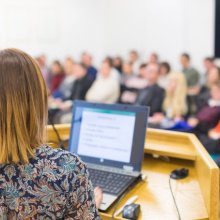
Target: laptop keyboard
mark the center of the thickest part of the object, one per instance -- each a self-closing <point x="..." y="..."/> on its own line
<point x="111" y="183"/>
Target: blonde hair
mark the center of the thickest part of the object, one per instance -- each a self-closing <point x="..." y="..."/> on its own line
<point x="176" y="100"/>
<point x="23" y="106"/>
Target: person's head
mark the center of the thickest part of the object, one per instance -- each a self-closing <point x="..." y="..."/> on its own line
<point x="142" y="70"/>
<point x="176" y="93"/>
<point x="185" y="60"/>
<point x="164" y="68"/>
<point x="23" y="106"/>
<point x="56" y="67"/>
<point x="152" y="73"/>
<point x="215" y="91"/>
<point x="208" y="63"/>
<point x="86" y="59"/>
<point x="105" y="69"/>
<point x="69" y="66"/>
<point x="153" y="58"/>
<point x="213" y="76"/>
<point x="127" y="68"/>
<point x="42" y="60"/>
<point x="109" y="60"/>
<point x="80" y="70"/>
<point x="117" y="62"/>
<point x="133" y="56"/>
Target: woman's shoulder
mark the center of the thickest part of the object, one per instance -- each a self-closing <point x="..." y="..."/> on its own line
<point x="62" y="160"/>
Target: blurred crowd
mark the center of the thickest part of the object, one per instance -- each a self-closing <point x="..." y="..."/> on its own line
<point x="183" y="100"/>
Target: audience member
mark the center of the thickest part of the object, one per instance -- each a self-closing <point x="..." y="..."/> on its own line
<point x="134" y="60"/>
<point x="153" y="58"/>
<point x="191" y="74"/>
<point x="57" y="75"/>
<point x="86" y="59"/>
<point x="127" y="72"/>
<point x="208" y="116"/>
<point x="42" y="61"/>
<point x="175" y="103"/>
<point x="208" y="65"/>
<point x="152" y="95"/>
<point x="106" y="88"/>
<point x="65" y="88"/>
<point x="164" y="74"/>
<point x="118" y="63"/>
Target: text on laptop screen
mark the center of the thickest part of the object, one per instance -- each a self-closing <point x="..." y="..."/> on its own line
<point x="106" y="134"/>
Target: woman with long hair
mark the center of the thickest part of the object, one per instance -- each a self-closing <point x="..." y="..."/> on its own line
<point x="36" y="181"/>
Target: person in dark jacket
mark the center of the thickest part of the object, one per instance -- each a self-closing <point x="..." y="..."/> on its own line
<point x="153" y="94"/>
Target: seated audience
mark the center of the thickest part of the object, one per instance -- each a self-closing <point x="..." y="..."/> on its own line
<point x="134" y="60"/>
<point x="57" y="74"/>
<point x="79" y="89"/>
<point x="208" y="63"/>
<point x="153" y="58"/>
<point x="86" y="59"/>
<point x="164" y="74"/>
<point x="118" y="63"/>
<point x="213" y="76"/>
<point x="65" y="88"/>
<point x="175" y="103"/>
<point x="152" y="95"/>
<point x="127" y="73"/>
<point x="191" y="74"/>
<point x="106" y="88"/>
<point x="208" y="116"/>
<point x="42" y="62"/>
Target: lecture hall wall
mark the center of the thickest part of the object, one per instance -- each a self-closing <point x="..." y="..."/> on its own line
<point x="109" y="27"/>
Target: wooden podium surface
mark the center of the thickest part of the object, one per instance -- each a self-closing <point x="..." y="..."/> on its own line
<point x="197" y="196"/>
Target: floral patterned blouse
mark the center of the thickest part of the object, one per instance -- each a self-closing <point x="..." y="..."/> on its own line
<point x="53" y="185"/>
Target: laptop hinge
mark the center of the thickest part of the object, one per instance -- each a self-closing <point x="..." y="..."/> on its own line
<point x="114" y="169"/>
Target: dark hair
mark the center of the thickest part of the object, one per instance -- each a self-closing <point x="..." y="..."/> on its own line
<point x="108" y="60"/>
<point x="82" y="65"/>
<point x="186" y="55"/>
<point x="210" y="59"/>
<point x="165" y="65"/>
<point x="143" y="65"/>
<point x="58" y="63"/>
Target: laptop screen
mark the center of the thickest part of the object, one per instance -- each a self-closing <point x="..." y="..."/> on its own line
<point x="105" y="134"/>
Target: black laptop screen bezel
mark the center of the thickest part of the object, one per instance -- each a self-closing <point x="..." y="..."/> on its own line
<point x="141" y="118"/>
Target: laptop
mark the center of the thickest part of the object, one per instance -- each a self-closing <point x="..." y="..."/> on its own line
<point x="110" y="139"/>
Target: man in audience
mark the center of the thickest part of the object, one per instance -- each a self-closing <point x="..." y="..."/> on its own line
<point x="153" y="58"/>
<point x="134" y="61"/>
<point x="191" y="74"/>
<point x="86" y="59"/>
<point x="152" y="95"/>
<point x="106" y="87"/>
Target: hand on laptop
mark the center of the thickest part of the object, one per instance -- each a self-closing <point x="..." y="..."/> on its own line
<point x="98" y="196"/>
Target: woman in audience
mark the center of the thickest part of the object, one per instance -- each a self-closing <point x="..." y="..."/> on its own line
<point x="134" y="61"/>
<point x="57" y="75"/>
<point x="209" y="115"/>
<point x="213" y="76"/>
<point x="174" y="104"/>
<point x="65" y="88"/>
<point x="118" y="63"/>
<point x="106" y="88"/>
<point x="164" y="74"/>
<point x="36" y="181"/>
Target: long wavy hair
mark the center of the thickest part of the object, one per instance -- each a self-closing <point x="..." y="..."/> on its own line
<point x="176" y="100"/>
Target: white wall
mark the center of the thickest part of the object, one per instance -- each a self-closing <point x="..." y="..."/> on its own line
<point x="67" y="27"/>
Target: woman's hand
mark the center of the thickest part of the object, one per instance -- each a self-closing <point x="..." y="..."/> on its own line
<point x="98" y="196"/>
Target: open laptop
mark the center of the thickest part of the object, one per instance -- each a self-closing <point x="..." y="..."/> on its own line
<point x="110" y="139"/>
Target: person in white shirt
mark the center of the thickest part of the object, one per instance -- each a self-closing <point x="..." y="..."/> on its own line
<point x="106" y="87"/>
<point x="135" y="61"/>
